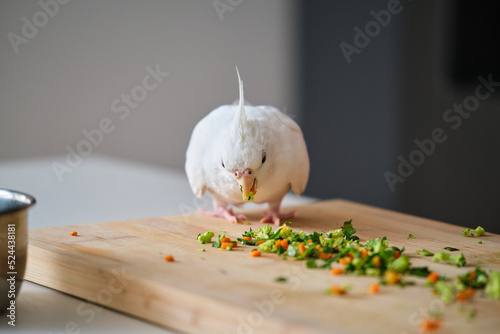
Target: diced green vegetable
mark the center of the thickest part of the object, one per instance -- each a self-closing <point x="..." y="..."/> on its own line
<point x="400" y="265"/>
<point x="451" y="249"/>
<point x="410" y="236"/>
<point x="264" y="232"/>
<point x="458" y="260"/>
<point x="492" y="288"/>
<point x="217" y="243"/>
<point x="479" y="231"/>
<point x="446" y="291"/>
<point x="424" y="252"/>
<point x="266" y="246"/>
<point x="205" y="237"/>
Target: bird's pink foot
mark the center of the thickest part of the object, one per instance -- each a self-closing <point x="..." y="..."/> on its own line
<point x="225" y="213"/>
<point x="275" y="217"/>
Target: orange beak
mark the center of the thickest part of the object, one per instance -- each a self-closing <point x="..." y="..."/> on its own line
<point x="247" y="183"/>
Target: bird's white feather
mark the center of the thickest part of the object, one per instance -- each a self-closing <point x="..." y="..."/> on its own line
<point x="238" y="136"/>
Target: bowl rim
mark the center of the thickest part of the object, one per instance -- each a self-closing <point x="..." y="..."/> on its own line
<point x="29" y="200"/>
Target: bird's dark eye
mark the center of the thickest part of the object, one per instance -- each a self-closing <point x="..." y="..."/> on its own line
<point x="222" y="162"/>
<point x="263" y="157"/>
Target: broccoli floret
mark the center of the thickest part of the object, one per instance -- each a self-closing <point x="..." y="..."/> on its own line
<point x="205" y="237"/>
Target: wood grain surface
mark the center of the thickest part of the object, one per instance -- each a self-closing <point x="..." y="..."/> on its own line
<point x="120" y="265"/>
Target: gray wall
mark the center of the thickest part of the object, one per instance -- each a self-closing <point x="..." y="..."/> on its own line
<point x="459" y="182"/>
<point x="350" y="104"/>
<point x="66" y="77"/>
<point x="363" y="115"/>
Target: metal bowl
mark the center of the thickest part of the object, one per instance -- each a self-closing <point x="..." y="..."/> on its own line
<point x="14" y="207"/>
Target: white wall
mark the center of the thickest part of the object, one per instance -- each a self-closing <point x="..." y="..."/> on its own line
<point x="65" y="78"/>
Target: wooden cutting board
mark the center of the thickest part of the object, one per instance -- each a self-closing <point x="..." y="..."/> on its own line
<point x="121" y="265"/>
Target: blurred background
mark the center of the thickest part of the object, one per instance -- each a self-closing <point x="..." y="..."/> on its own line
<point x="368" y="81"/>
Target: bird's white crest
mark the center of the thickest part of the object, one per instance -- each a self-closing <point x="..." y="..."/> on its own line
<point x="240" y="119"/>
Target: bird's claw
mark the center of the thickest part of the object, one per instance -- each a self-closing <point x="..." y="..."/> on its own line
<point x="223" y="213"/>
<point x="276" y="217"/>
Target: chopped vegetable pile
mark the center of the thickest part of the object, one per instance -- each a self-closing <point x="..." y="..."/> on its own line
<point x="341" y="252"/>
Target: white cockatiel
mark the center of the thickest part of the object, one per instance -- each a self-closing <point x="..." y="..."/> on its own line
<point x="243" y="152"/>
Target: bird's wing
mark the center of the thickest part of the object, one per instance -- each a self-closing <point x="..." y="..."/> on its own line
<point x="301" y="175"/>
<point x="194" y="161"/>
<point x="296" y="145"/>
<point x="200" y="163"/>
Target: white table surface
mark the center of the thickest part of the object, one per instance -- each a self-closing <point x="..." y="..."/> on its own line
<point x="99" y="189"/>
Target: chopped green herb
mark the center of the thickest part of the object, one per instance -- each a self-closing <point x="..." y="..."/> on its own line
<point x="451" y="249"/>
<point x="471" y="314"/>
<point x="280" y="279"/>
<point x="349" y="231"/>
<point x="410" y="236"/>
<point x="424" y="252"/>
<point x="480" y="242"/>
<point x="250" y="195"/>
<point x="420" y="271"/>
<point x="311" y="263"/>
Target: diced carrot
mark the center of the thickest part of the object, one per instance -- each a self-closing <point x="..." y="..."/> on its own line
<point x="376" y="261"/>
<point x="310" y="241"/>
<point x="337" y="290"/>
<point x="392" y="277"/>
<point x="248" y="238"/>
<point x="255" y="253"/>
<point x="337" y="271"/>
<point x="364" y="253"/>
<point x="225" y="245"/>
<point x="433" y="277"/>
<point x="74" y="233"/>
<point x="223" y="240"/>
<point x="466" y="294"/>
<point x="169" y="258"/>
<point x="428" y="324"/>
<point x="374" y="287"/>
<point x="235" y="244"/>
<point x="396" y="254"/>
<point x="346" y="259"/>
<point x="302" y="248"/>
<point x="259" y="242"/>
<point x="283" y="243"/>
<point x="324" y="256"/>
